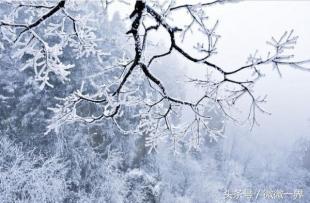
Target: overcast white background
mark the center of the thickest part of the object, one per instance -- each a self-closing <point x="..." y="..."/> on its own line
<point x="245" y="27"/>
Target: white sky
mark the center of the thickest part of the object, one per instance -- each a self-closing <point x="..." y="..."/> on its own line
<point x="245" y="27"/>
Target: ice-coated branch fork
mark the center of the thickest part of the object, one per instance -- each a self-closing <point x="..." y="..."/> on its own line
<point x="27" y="35"/>
<point x="215" y="93"/>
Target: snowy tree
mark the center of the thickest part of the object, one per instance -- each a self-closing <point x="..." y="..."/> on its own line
<point x="41" y="41"/>
<point x="83" y="101"/>
<point x="25" y="176"/>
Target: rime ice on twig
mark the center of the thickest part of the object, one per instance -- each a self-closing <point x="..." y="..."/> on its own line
<point x="32" y="33"/>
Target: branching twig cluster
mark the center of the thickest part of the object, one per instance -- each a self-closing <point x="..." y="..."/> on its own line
<point x="159" y="112"/>
<point x="26" y="34"/>
<point x="224" y="92"/>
